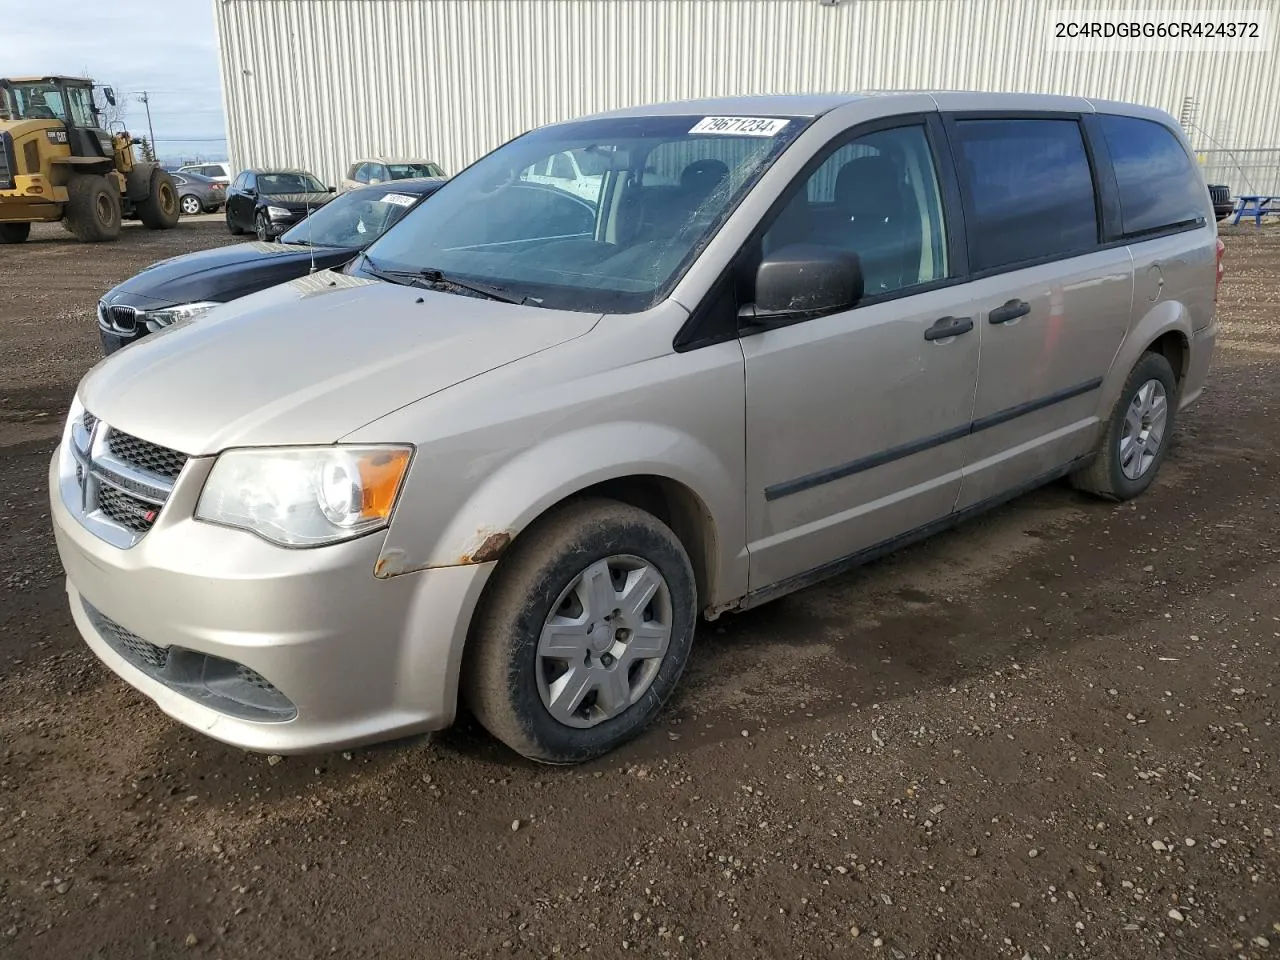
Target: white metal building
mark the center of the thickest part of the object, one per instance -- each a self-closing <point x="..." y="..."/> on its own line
<point x="318" y="83"/>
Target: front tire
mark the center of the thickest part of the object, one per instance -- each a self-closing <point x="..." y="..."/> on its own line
<point x="1138" y="433"/>
<point x="93" y="209"/>
<point x="159" y="209"/>
<point x="262" y="225"/>
<point x="14" y="232"/>
<point x="583" y="633"/>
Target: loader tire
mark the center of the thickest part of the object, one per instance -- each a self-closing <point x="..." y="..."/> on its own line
<point x="160" y="210"/>
<point x="93" y="209"/>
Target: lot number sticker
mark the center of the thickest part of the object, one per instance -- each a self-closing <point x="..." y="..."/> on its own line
<point x="399" y="199"/>
<point x="741" y="126"/>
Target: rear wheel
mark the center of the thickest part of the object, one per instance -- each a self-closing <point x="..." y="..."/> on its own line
<point x="93" y="209"/>
<point x="1137" y="435"/>
<point x="235" y="228"/>
<point x="583" y="634"/>
<point x="14" y="232"/>
<point x="159" y="210"/>
<point x="191" y="205"/>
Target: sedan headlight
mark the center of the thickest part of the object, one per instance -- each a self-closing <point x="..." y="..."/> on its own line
<point x="158" y="319"/>
<point x="305" y="496"/>
<point x="279" y="213"/>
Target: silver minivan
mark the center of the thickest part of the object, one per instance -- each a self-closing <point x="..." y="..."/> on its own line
<point x="516" y="450"/>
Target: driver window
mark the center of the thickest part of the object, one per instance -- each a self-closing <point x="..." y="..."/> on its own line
<point x="876" y="196"/>
<point x="81" y="107"/>
<point x="561" y="167"/>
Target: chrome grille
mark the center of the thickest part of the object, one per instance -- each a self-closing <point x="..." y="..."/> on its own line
<point x="146" y="456"/>
<point x="117" y="317"/>
<point x="126" y="510"/>
<point x="117" y="483"/>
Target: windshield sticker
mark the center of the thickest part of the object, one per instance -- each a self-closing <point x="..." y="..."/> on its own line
<point x="399" y="199"/>
<point x="741" y="126"/>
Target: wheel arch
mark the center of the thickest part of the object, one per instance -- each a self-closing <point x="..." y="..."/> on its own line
<point x="1166" y="329"/>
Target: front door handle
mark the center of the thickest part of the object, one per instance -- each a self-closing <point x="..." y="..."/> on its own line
<point x="948" y="327"/>
<point x="1010" y="311"/>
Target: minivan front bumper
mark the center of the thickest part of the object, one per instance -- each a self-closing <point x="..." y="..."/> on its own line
<point x="265" y="648"/>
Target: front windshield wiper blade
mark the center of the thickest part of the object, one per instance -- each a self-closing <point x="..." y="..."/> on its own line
<point x="434" y="279"/>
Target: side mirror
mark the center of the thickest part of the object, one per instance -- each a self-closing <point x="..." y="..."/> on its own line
<point x="802" y="280"/>
<point x="110" y="95"/>
<point x="333" y="189"/>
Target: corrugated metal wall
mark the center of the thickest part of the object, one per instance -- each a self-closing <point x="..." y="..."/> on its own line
<point x="320" y="82"/>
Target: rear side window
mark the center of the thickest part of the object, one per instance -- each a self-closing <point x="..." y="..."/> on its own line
<point x="1159" y="188"/>
<point x="1029" y="190"/>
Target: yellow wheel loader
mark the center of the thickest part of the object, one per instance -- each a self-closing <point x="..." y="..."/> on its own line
<point x="58" y="163"/>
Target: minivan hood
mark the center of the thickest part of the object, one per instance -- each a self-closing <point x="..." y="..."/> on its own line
<point x="310" y="361"/>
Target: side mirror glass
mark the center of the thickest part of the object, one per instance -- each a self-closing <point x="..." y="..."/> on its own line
<point x="805" y="279"/>
<point x="110" y="95"/>
<point x="333" y="189"/>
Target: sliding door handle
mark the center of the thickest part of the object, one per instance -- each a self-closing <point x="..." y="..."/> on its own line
<point x="1010" y="311"/>
<point x="948" y="327"/>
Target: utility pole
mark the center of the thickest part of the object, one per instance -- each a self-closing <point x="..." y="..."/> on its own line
<point x="146" y="102"/>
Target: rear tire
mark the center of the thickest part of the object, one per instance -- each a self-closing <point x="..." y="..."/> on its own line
<point x="550" y="612"/>
<point x="234" y="228"/>
<point x="14" y="232"/>
<point x="159" y="209"/>
<point x="93" y="209"/>
<point x="1138" y="433"/>
<point x="191" y="205"/>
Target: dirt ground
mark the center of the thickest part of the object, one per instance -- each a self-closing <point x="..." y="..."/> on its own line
<point x="1050" y="733"/>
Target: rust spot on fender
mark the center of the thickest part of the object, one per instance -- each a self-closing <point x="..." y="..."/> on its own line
<point x="491" y="549"/>
<point x="490" y="546"/>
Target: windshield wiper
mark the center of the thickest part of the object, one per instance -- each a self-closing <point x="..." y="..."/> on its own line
<point x="433" y="279"/>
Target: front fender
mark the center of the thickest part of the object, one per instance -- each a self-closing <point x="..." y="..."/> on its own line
<point x="501" y="506"/>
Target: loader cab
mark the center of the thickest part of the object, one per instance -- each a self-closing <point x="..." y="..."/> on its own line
<point x="66" y="99"/>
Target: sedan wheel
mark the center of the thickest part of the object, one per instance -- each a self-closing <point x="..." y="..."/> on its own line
<point x="191" y="205"/>
<point x="263" y="226"/>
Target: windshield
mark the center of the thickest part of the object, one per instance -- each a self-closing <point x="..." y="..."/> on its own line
<point x="273" y="183"/>
<point x="35" y="101"/>
<point x="406" y="171"/>
<point x="354" y="219"/>
<point x="599" y="215"/>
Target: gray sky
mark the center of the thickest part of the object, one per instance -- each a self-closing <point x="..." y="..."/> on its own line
<point x="166" y="47"/>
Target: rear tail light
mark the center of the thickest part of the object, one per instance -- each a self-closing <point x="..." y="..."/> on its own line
<point x="1222" y="247"/>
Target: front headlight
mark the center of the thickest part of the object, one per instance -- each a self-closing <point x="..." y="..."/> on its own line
<point x="158" y="319"/>
<point x="279" y="213"/>
<point x="305" y="496"/>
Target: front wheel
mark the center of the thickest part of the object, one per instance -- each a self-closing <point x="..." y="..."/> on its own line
<point x="262" y="224"/>
<point x="1137" y="435"/>
<point x="583" y="633"/>
<point x="158" y="210"/>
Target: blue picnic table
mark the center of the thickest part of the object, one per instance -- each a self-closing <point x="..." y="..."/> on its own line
<point x="1256" y="206"/>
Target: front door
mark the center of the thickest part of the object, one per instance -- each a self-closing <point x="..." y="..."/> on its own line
<point x="856" y="420"/>
<point x="1052" y="306"/>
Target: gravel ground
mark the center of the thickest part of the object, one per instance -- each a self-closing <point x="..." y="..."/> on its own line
<point x="1049" y="733"/>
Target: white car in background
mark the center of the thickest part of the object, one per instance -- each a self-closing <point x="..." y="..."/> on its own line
<point x="220" y="171"/>
<point x="574" y="171"/>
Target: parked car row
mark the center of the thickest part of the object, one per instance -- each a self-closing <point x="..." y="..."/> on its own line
<point x="513" y="451"/>
<point x="269" y="200"/>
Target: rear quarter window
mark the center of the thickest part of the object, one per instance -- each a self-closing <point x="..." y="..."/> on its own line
<point x="1159" y="187"/>
<point x="1029" y="190"/>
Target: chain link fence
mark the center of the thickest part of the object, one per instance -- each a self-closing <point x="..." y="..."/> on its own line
<point x="1243" y="171"/>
